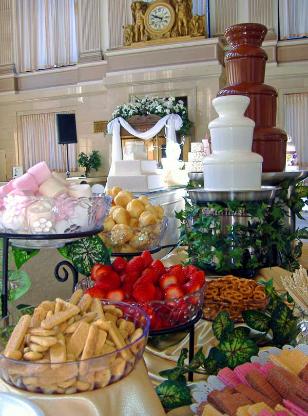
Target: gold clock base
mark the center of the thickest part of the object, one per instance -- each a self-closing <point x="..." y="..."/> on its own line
<point x="163" y="41"/>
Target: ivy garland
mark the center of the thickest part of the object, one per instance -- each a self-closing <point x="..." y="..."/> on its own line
<point x="265" y="240"/>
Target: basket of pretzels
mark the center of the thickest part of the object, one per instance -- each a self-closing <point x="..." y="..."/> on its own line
<point x="233" y="295"/>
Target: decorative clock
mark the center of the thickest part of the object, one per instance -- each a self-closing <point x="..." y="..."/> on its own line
<point x="159" y="18"/>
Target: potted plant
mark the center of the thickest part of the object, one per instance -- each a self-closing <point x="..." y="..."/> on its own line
<point x="91" y="161"/>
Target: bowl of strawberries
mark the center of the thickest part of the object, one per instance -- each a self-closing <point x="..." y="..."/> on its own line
<point x="170" y="296"/>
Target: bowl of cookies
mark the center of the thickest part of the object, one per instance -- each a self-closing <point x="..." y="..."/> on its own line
<point x="234" y="295"/>
<point x="67" y="347"/>
<point x="133" y="224"/>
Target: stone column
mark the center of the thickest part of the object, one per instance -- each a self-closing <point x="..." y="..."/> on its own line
<point x="89" y="30"/>
<point x="6" y="38"/>
<point x="223" y="13"/>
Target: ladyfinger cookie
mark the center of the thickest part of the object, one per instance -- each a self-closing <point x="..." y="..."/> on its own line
<point x="43" y="341"/>
<point x="60" y="317"/>
<point x="76" y="296"/>
<point x="57" y="353"/>
<point x="85" y="302"/>
<point x="78" y="340"/>
<point x="38" y="316"/>
<point x="101" y="340"/>
<point x="18" y="335"/>
<point x="89" y="349"/>
<point x="96" y="306"/>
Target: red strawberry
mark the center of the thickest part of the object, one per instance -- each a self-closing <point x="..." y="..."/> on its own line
<point x="128" y="290"/>
<point x="191" y="287"/>
<point x="109" y="281"/>
<point x="95" y="292"/>
<point x="129" y="278"/>
<point x="135" y="265"/>
<point x="99" y="273"/>
<point x="144" y="293"/>
<point x="148" y="276"/>
<point x="173" y="292"/>
<point x="159" y="294"/>
<point x="158" y="266"/>
<point x="189" y="270"/>
<point x="168" y="280"/>
<point x="198" y="277"/>
<point x="147" y="258"/>
<point x="119" y="264"/>
<point x="116" y="295"/>
<point x="178" y="271"/>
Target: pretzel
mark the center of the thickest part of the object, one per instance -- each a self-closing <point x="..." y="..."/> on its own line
<point x="234" y="295"/>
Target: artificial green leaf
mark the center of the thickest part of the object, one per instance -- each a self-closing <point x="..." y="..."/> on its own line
<point x="25" y="309"/>
<point x="257" y="320"/>
<point x="237" y="350"/>
<point x="280" y="316"/>
<point x="173" y="394"/>
<point x="65" y="251"/>
<point x="182" y="357"/>
<point x="242" y="331"/>
<point x="22" y="255"/>
<point x="222" y="324"/>
<point x="19" y="284"/>
<point x="174" y="374"/>
<point x="85" y="253"/>
<point x="197" y="360"/>
<point x="211" y="366"/>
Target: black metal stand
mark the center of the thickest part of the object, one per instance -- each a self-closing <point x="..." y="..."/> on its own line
<point x="61" y="273"/>
<point x="190" y="327"/>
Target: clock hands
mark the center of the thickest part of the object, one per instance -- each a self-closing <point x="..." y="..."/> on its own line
<point x="155" y="16"/>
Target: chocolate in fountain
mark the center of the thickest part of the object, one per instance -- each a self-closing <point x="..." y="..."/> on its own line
<point x="245" y="68"/>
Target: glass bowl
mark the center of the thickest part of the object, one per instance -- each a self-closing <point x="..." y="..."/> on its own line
<point x="135" y="239"/>
<point x="165" y="314"/>
<point x="78" y="376"/>
<point x="30" y="215"/>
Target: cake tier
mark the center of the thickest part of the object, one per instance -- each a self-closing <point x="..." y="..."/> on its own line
<point x="134" y="167"/>
<point x="196" y="147"/>
<point x="196" y="156"/>
<point x="194" y="166"/>
<point x="138" y="183"/>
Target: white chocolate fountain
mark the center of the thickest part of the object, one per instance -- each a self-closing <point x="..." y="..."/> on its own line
<point x="232" y="166"/>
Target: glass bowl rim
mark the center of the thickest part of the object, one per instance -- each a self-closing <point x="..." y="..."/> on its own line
<point x="144" y="335"/>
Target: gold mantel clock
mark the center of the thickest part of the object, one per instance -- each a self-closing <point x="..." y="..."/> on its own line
<point x="159" y="18"/>
<point x="163" y="21"/>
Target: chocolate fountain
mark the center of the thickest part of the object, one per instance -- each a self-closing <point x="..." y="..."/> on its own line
<point x="245" y="68"/>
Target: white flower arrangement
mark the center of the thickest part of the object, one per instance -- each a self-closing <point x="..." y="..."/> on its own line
<point x="154" y="105"/>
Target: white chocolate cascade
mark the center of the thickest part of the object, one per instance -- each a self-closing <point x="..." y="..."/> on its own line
<point x="232" y="166"/>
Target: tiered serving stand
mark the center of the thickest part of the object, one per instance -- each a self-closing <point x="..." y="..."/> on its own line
<point x="61" y="273"/>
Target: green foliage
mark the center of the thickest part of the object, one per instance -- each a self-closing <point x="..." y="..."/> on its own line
<point x="85" y="253"/>
<point x="91" y="161"/>
<point x="236" y="345"/>
<point x="222" y="325"/>
<point x="173" y="394"/>
<point x="22" y="255"/>
<point x="264" y="241"/>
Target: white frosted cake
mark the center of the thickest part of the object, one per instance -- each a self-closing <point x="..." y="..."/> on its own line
<point x="195" y="158"/>
<point x="136" y="176"/>
<point x="232" y="165"/>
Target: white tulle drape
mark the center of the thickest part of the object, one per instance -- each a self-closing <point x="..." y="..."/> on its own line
<point x="37" y="140"/>
<point x="46" y="34"/>
<point x="293" y="16"/>
<point x="296" y="124"/>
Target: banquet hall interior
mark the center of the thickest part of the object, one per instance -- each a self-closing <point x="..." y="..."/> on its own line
<point x="123" y="93"/>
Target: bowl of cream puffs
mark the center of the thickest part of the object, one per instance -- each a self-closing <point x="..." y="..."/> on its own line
<point x="133" y="224"/>
<point x="79" y="345"/>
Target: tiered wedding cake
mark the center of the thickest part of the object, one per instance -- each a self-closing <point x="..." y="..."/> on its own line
<point x="232" y="165"/>
<point x="195" y="158"/>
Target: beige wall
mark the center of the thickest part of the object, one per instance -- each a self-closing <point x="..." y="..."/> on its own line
<point x="95" y="90"/>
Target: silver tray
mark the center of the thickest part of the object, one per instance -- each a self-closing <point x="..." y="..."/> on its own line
<point x="266" y="193"/>
<point x="275" y="178"/>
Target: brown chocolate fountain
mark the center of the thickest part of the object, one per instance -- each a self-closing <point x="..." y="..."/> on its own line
<point x="245" y="68"/>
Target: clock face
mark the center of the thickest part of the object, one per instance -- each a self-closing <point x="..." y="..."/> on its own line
<point x="160" y="18"/>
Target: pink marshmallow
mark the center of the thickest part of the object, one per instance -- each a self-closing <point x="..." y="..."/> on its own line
<point x="293" y="408"/>
<point x="242" y="370"/>
<point x="26" y="182"/>
<point x="265" y="412"/>
<point x="264" y="369"/>
<point x="6" y="189"/>
<point x="40" y="172"/>
<point x="228" y="377"/>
